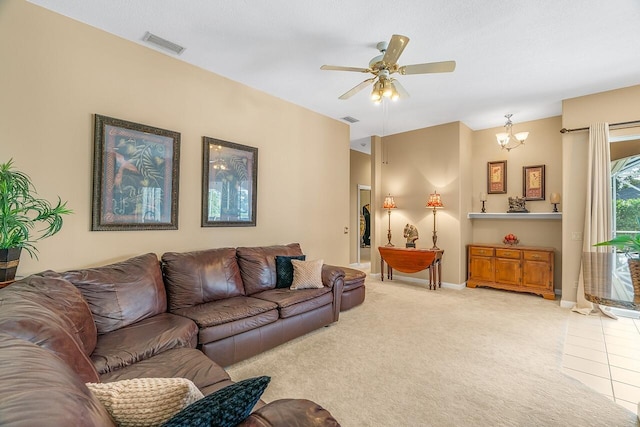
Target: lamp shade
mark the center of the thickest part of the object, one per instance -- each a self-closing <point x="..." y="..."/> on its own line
<point x="389" y="203"/>
<point x="435" y="201"/>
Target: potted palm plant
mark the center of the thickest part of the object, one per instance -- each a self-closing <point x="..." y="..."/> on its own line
<point x="21" y="211"/>
<point x="630" y="245"/>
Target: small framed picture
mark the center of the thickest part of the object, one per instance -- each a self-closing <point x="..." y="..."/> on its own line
<point x="135" y="176"/>
<point x="497" y="177"/>
<point x="533" y="182"/>
<point x="229" y="184"/>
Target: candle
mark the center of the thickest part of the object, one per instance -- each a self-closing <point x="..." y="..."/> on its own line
<point x="483" y="197"/>
<point x="555" y="198"/>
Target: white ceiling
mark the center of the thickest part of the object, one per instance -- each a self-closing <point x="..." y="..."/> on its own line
<point x="513" y="56"/>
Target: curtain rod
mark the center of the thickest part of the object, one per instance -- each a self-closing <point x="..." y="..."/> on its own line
<point x="622" y="124"/>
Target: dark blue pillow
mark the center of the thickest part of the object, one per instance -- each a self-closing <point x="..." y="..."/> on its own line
<point x="284" y="270"/>
<point x="226" y="407"/>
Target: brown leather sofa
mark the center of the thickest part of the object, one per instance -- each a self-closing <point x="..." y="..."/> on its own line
<point x="59" y="331"/>
<point x="231" y="295"/>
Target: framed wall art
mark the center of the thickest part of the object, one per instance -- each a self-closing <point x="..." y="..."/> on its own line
<point x="135" y="176"/>
<point x="497" y="177"/>
<point x="533" y="182"/>
<point x="229" y="184"/>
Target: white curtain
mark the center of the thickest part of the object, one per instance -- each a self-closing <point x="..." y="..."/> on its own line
<point x="597" y="213"/>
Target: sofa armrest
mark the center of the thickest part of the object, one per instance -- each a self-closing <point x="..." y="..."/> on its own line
<point x="289" y="413"/>
<point x="333" y="277"/>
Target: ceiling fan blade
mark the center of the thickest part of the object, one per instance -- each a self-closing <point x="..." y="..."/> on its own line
<point x="357" y="89"/>
<point x="395" y="48"/>
<point x="402" y="92"/>
<point x="340" y="68"/>
<point x="429" y="67"/>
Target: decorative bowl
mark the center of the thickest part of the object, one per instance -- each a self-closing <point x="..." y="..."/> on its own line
<point x="510" y="239"/>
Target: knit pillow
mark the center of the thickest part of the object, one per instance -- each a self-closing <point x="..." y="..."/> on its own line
<point x="145" y="401"/>
<point x="307" y="274"/>
<point x="284" y="270"/>
<point x="224" y="408"/>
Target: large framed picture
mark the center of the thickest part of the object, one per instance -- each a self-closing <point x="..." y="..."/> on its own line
<point x="533" y="182"/>
<point x="229" y="184"/>
<point x="135" y="176"/>
<point x="497" y="177"/>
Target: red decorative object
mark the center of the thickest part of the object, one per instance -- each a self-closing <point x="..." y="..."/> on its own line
<point x="510" y="239"/>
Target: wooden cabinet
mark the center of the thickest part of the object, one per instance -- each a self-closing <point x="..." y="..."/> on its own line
<point x="518" y="268"/>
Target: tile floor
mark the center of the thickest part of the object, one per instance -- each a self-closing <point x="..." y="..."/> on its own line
<point x="604" y="354"/>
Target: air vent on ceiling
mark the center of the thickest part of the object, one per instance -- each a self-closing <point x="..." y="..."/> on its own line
<point x="165" y="44"/>
<point x="350" y="119"/>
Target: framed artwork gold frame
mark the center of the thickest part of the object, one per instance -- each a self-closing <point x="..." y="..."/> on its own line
<point x="533" y="182"/>
<point x="497" y="177"/>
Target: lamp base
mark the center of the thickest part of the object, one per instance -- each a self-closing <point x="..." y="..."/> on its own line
<point x="483" y="210"/>
<point x="555" y="207"/>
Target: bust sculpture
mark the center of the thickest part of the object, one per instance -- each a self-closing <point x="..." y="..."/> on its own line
<point x="411" y="234"/>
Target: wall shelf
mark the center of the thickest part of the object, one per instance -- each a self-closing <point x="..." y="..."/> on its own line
<point x="531" y="215"/>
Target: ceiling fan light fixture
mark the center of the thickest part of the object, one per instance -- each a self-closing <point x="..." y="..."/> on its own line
<point x="387" y="89"/>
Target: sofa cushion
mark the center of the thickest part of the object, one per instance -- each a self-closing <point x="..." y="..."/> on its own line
<point x="284" y="270"/>
<point x="198" y="277"/>
<point x="224" y="408"/>
<point x="123" y="293"/>
<point x="293" y="302"/>
<point x="42" y="390"/>
<point x="258" y="265"/>
<point x="50" y="290"/>
<point x="143" y="340"/>
<point x="307" y="274"/>
<point x="177" y="363"/>
<point x="39" y="324"/>
<point x="225" y="311"/>
<point x="145" y="401"/>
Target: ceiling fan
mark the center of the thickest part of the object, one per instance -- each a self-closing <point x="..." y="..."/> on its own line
<point x="386" y="64"/>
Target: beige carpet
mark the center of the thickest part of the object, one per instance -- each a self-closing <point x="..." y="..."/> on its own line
<point x="409" y="356"/>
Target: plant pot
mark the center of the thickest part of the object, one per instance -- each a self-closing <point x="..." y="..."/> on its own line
<point x="9" y="259"/>
<point x="634" y="271"/>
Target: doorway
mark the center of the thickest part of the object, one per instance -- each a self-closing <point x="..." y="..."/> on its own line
<point x="364" y="235"/>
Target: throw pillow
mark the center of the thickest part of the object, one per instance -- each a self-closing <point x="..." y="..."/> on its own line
<point x="284" y="270"/>
<point x="145" y="401"/>
<point x="307" y="274"/>
<point x="226" y="407"/>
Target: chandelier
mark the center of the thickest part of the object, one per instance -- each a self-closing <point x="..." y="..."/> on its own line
<point x="507" y="140"/>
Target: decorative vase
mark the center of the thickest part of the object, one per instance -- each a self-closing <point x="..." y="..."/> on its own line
<point x="634" y="271"/>
<point x="9" y="259"/>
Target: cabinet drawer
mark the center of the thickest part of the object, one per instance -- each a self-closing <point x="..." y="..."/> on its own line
<point x="480" y="251"/>
<point x="508" y="253"/>
<point x="536" y="256"/>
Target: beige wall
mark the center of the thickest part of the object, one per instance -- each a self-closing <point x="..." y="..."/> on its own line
<point x="621" y="105"/>
<point x="56" y="73"/>
<point x="543" y="147"/>
<point x="360" y="174"/>
<point x="415" y="164"/>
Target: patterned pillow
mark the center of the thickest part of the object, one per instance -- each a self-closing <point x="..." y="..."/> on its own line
<point x="145" y="401"/>
<point x="226" y="407"/>
<point x="284" y="270"/>
<point x="307" y="274"/>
